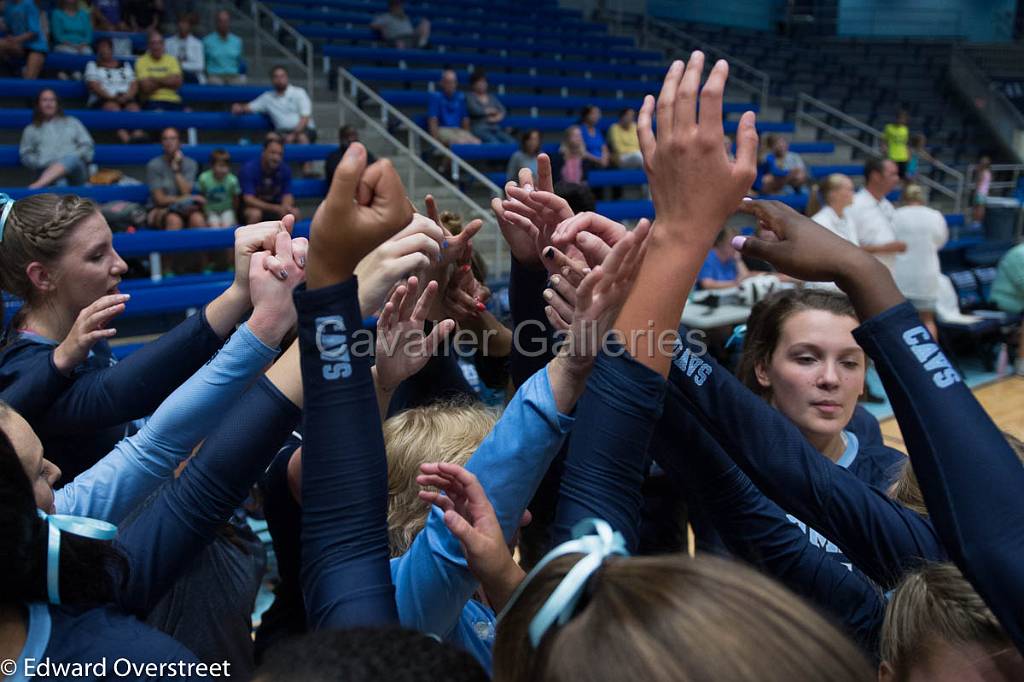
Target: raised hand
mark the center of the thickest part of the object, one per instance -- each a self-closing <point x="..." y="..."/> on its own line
<point x="800" y="247"/>
<point x="402" y="347"/>
<point x="415" y="249"/>
<point x="606" y="229"/>
<point x="256" y="237"/>
<point x="465" y="297"/>
<point x="363" y="208"/>
<point x="272" y="278"/>
<point x="89" y="328"/>
<point x="693" y="184"/>
<point x="469" y="516"/>
<point x="455" y="247"/>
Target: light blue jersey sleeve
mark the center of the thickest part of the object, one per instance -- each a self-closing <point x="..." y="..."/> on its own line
<point x="432" y="580"/>
<point x="137" y="465"/>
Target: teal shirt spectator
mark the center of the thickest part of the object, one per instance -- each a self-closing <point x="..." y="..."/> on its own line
<point x="223" y="54"/>
<point x="1008" y="289"/>
<point x="74" y="29"/>
<point x="23" y="17"/>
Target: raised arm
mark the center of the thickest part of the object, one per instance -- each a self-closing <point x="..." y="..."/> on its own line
<point x="974" y="501"/>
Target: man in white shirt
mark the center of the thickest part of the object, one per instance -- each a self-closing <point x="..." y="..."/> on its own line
<point x="288" y="106"/>
<point x="188" y="50"/>
<point x="873" y="215"/>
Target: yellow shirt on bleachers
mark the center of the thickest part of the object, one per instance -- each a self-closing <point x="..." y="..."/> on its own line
<point x="896" y="137"/>
<point x="623" y="140"/>
<point x="147" y="67"/>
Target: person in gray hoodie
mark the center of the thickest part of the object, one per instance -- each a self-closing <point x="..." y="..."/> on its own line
<point x="55" y="146"/>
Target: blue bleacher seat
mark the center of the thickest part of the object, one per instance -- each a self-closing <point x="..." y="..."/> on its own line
<point x="596" y="85"/>
<point x="502" y="152"/>
<point x="147" y="120"/>
<point x="18" y="87"/>
<point x="139" y="154"/>
<point x="138" y="39"/>
<point x="550" y="123"/>
<point x="302" y="189"/>
<point x="418" y="98"/>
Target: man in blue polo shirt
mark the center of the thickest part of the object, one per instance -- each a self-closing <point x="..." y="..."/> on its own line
<point x="267" y="184"/>
<point x="448" y="117"/>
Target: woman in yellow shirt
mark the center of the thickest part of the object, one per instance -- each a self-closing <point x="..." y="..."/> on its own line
<point x="623" y="140"/>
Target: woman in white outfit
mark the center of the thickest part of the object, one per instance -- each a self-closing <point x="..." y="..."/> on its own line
<point x="916" y="270"/>
<point x="837" y="191"/>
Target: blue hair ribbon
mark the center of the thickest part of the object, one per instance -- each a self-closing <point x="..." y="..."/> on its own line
<point x="8" y="204"/>
<point x="593" y="538"/>
<point x="739" y="335"/>
<point x="82" y="526"/>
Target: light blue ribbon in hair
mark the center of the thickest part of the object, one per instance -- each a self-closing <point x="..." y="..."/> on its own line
<point x="593" y="538"/>
<point x="76" y="525"/>
<point x="8" y="204"/>
<point x="739" y="335"/>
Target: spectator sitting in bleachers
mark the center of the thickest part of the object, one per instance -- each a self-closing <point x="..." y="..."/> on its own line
<point x="916" y="270"/>
<point x="221" y="189"/>
<point x="837" y="191"/>
<point x="894" y="142"/>
<point x="1008" y="293"/>
<point x="347" y="134"/>
<point x="171" y="176"/>
<point x="448" y="116"/>
<point x="595" y="150"/>
<point x="571" y="155"/>
<point x="106" y="16"/>
<point x="724" y="267"/>
<point x="142" y="15"/>
<point x="525" y="156"/>
<point x="288" y="106"/>
<point x="71" y="28"/>
<point x="486" y="112"/>
<point x="267" y="184"/>
<point x="112" y="86"/>
<point x="223" y="51"/>
<point x="873" y="214"/>
<point x="624" y="142"/>
<point x="786" y="167"/>
<point x="187" y="49"/>
<point x="396" y="28"/>
<point x="25" y="39"/>
<point x="159" y="76"/>
<point x="55" y="146"/>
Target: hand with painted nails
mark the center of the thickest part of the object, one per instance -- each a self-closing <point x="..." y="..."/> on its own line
<point x="257" y="237"/>
<point x="273" y="275"/>
<point x="465" y="298"/>
<point x="694" y="185"/>
<point x="364" y="207"/>
<point x="606" y="229"/>
<point x="402" y="346"/>
<point x="413" y="251"/>
<point x="89" y="328"/>
<point x="457" y="247"/>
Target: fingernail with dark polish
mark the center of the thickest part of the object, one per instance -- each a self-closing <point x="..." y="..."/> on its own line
<point x="480" y="306"/>
<point x="283" y="275"/>
<point x="444" y="244"/>
<point x="302" y="261"/>
<point x="549" y="252"/>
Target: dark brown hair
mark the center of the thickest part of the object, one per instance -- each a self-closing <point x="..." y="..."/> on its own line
<point x="671" y="618"/>
<point x="764" y="327"/>
<point x="37" y="116"/>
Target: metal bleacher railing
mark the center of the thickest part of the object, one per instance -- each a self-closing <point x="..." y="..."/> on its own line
<point x="352" y="93"/>
<point x="820" y="115"/>
<point x="302" y="55"/>
<point x="995" y="109"/>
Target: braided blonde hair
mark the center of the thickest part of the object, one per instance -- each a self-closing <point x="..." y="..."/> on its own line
<point x="37" y="229"/>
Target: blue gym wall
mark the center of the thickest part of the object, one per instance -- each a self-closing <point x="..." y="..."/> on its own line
<point x="975" y="20"/>
<point x="985" y="21"/>
<point x="758" y="14"/>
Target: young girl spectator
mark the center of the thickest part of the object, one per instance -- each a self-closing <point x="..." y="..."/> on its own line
<point x="982" y="182"/>
<point x="25" y="39"/>
<point x="595" y="154"/>
<point x="525" y="156"/>
<point x="894" y="142"/>
<point x="112" y="86"/>
<point x="222" y="190"/>
<point x="572" y="155"/>
<point x="54" y="146"/>
<point x="918" y="152"/>
<point x="71" y="28"/>
<point x="623" y="140"/>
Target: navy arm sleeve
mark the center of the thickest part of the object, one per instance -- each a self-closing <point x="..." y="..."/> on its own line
<point x="346" y="576"/>
<point x="184" y="514"/>
<point x="969" y="475"/>
<point x="879" y="535"/>
<point x="533" y="335"/>
<point x="756" y="529"/>
<point x="29" y="381"/>
<point x="607" y="460"/>
<point x="136" y="386"/>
